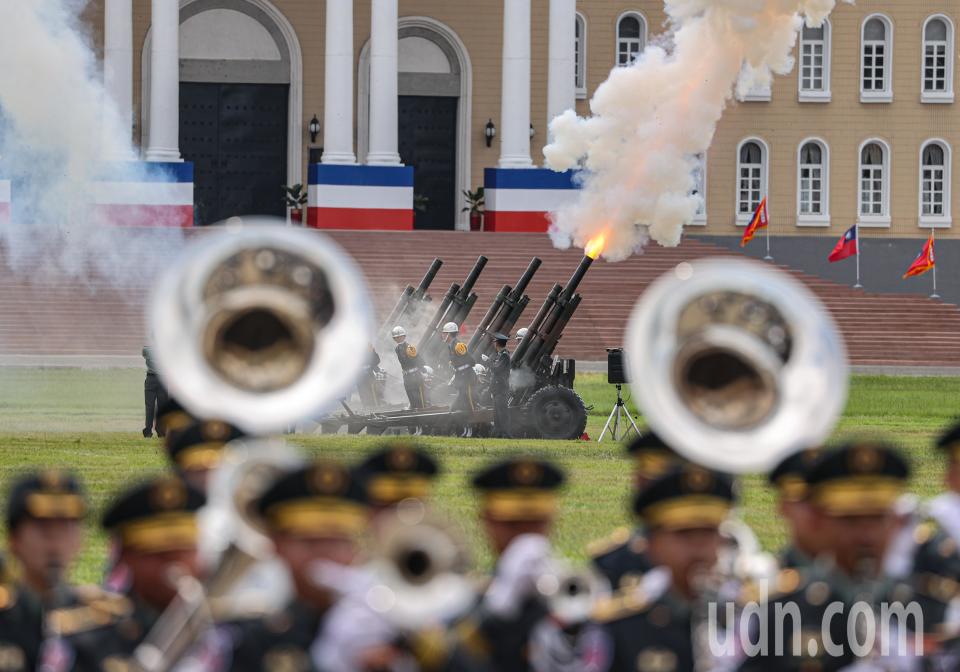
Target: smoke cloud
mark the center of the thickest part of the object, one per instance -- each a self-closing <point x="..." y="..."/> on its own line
<point x="57" y="125"/>
<point x="650" y="121"/>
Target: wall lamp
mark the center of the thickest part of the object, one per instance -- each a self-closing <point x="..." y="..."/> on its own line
<point x="490" y="132"/>
<point x="314" y="129"/>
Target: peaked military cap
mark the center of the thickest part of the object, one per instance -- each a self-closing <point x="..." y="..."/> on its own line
<point x="397" y="471"/>
<point x="172" y="416"/>
<point x="155" y="516"/>
<point x="949" y="441"/>
<point x="500" y="338"/>
<point x="520" y="488"/>
<point x="790" y="475"/>
<point x="321" y="499"/>
<point x="653" y="457"/>
<point x="858" y="478"/>
<point x="200" y="444"/>
<point x="687" y="496"/>
<point x="45" y="495"/>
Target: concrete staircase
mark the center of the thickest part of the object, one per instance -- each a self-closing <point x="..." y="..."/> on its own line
<point x="65" y="317"/>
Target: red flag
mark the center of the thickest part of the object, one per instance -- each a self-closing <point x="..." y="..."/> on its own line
<point x="846" y="246"/>
<point x="924" y="261"/>
<point x="759" y="221"/>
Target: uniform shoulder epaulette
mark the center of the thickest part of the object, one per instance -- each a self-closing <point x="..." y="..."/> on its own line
<point x="621" y="604"/>
<point x="786" y="582"/>
<point x="619" y="537"/>
<point x="94" y="608"/>
<point x="926" y="531"/>
<point x="8" y="596"/>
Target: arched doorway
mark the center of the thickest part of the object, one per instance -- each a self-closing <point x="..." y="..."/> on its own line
<point x="240" y="105"/>
<point x="434" y="87"/>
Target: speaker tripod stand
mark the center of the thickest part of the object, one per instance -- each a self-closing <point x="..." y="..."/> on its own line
<point x="619" y="411"/>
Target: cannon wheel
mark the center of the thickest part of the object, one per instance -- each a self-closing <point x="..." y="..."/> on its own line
<point x="557" y="413"/>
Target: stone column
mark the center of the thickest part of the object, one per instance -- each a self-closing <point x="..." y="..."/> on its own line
<point x="338" y="84"/>
<point x="164" y="143"/>
<point x="561" y="84"/>
<point x="515" y="94"/>
<point x="383" y="84"/>
<point x="118" y="73"/>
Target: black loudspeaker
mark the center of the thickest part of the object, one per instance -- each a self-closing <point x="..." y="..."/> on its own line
<point x="616" y="367"/>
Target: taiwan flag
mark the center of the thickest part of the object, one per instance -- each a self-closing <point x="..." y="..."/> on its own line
<point x="924" y="261"/>
<point x="846" y="247"/>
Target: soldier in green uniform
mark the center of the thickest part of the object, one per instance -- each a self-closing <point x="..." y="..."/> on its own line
<point x="789" y="480"/>
<point x="656" y="624"/>
<point x="500" y="387"/>
<point x="464" y="377"/>
<point x="20" y="626"/>
<point x="196" y="449"/>
<point x="154" y="525"/>
<point x="853" y="491"/>
<point x="621" y="556"/>
<point x="314" y="516"/>
<point x="45" y="512"/>
<point x="411" y="367"/>
<point x="398" y="471"/>
<point x="519" y="503"/>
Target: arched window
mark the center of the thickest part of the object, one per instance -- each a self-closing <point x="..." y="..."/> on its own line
<point x="813" y="187"/>
<point x="751" y="177"/>
<point x="580" y="56"/>
<point x="631" y="37"/>
<point x="937" y="82"/>
<point x="876" y="60"/>
<point x="874" y="183"/>
<point x="935" y="183"/>
<point x="815" y="63"/>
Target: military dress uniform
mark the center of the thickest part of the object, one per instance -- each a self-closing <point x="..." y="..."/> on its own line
<point x="397" y="471"/>
<point x="500" y="388"/>
<point x="621" y="557"/>
<point x="99" y="630"/>
<point x="789" y="479"/>
<point x="945" y="508"/>
<point x="411" y="366"/>
<point x="464" y="377"/>
<point x="496" y="633"/>
<point x="20" y="626"/>
<point x="319" y="500"/>
<point x="649" y="626"/>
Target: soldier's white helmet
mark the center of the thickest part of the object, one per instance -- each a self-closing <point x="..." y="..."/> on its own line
<point x="521" y="332"/>
<point x="451" y="328"/>
<point x="398" y="331"/>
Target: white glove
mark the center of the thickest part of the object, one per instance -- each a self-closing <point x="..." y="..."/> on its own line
<point x="526" y="559"/>
<point x="484" y="358"/>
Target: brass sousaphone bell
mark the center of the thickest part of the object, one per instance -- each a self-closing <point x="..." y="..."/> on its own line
<point x="261" y="325"/>
<point x="736" y="364"/>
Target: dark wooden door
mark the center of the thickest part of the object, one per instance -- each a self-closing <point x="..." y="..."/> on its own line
<point x="236" y="136"/>
<point x="428" y="142"/>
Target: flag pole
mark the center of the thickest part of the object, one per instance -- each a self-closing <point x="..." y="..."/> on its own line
<point x="856" y="232"/>
<point x="933" y="237"/>
<point x="768" y="257"/>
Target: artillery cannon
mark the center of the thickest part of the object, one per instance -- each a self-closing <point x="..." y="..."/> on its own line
<point x="455" y="307"/>
<point x="410" y="307"/>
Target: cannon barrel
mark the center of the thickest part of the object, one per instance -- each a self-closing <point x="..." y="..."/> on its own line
<point x="477" y="339"/>
<point x="521" y="286"/>
<point x="420" y="292"/>
<point x="471" y="280"/>
<point x="548" y="303"/>
<point x="399" y="309"/>
<point x="430" y="330"/>
<point x="574" y="282"/>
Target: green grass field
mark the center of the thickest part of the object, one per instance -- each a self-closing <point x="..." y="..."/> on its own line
<point x="90" y="420"/>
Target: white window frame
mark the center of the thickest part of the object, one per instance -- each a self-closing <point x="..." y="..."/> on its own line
<point x="700" y="218"/>
<point x="946" y="219"/>
<point x="935" y="97"/>
<point x="882" y="220"/>
<point x="808" y="96"/>
<point x="644" y="35"/>
<point x="886" y="95"/>
<point x="823" y="219"/>
<point x="742" y="219"/>
<point x="759" y="93"/>
<point x="580" y="58"/>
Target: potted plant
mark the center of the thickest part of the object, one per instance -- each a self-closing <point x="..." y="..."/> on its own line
<point x="295" y="198"/>
<point x="475" y="206"/>
<point x="420" y="203"/>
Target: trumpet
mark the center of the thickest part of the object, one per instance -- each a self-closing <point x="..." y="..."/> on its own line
<point x="261" y="325"/>
<point x="736" y="364"/>
<point x="569" y="593"/>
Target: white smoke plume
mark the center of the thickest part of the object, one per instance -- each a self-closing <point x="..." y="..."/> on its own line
<point x="650" y="120"/>
<point x="56" y="127"/>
